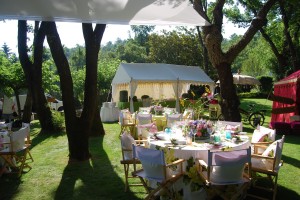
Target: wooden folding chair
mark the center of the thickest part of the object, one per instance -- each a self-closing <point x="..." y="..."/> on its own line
<point x="266" y="166"/>
<point x="16" y="151"/>
<point x="28" y="140"/>
<point x="127" y="122"/>
<point x="155" y="169"/>
<point x="127" y="158"/>
<point x="172" y="119"/>
<point x="224" y="169"/>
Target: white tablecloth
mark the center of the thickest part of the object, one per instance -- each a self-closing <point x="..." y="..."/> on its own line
<point x="198" y="150"/>
<point x="109" y="112"/>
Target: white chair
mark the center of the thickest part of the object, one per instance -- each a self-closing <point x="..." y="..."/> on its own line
<point x="126" y="121"/>
<point x="172" y="119"/>
<point x="237" y="126"/>
<point x="225" y="168"/>
<point x="127" y="158"/>
<point x="15" y="155"/>
<point x="145" y="110"/>
<point x="267" y="165"/>
<point x="143" y="118"/>
<point x="168" y="111"/>
<point x="155" y="169"/>
<point x="144" y="122"/>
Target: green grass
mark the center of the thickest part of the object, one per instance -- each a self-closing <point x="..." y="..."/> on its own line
<point x="102" y="177"/>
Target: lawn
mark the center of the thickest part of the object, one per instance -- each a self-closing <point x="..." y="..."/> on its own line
<point x="102" y="177"/>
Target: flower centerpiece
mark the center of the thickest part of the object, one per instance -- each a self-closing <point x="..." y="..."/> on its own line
<point x="201" y="129"/>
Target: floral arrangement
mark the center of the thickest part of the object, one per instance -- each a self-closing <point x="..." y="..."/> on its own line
<point x="199" y="128"/>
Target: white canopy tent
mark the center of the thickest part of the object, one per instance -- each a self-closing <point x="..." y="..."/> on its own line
<point x="157" y="80"/>
<point x="132" y="12"/>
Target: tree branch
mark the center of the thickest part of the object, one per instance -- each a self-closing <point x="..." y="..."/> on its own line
<point x="258" y="22"/>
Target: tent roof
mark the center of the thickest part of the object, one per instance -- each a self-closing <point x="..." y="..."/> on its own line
<point x="138" y="12"/>
<point x="153" y="72"/>
<point x="289" y="79"/>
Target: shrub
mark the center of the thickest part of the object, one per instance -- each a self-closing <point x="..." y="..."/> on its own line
<point x="266" y="83"/>
<point x="58" y="120"/>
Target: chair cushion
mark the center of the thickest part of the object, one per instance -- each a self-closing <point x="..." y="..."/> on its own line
<point x="153" y="171"/>
<point x="232" y="172"/>
<point x="264" y="164"/>
<point x="271" y="150"/>
<point x="260" y="136"/>
<point x="126" y="141"/>
<point x="227" y="174"/>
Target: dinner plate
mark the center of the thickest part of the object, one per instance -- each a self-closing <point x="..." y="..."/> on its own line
<point x="162" y="136"/>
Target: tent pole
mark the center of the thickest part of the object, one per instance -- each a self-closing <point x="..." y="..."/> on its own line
<point x="177" y="96"/>
<point x="131" y="97"/>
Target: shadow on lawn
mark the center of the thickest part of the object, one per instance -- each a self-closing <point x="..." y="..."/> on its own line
<point x="282" y="193"/>
<point x="94" y="179"/>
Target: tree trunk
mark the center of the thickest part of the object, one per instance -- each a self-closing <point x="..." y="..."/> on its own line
<point x="229" y="100"/>
<point x="75" y="128"/>
<point x="292" y="49"/>
<point x="91" y="114"/>
<point x="78" y="129"/>
<point x="27" y="108"/>
<point x="16" y="91"/>
<point x="282" y="62"/>
<point x="97" y="126"/>
<point x="204" y="50"/>
<point x="222" y="60"/>
<point x="33" y="73"/>
<point x="42" y="108"/>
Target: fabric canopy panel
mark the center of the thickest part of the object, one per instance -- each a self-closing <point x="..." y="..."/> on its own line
<point x="132" y="12"/>
<point x="288" y="87"/>
<point x="159" y="81"/>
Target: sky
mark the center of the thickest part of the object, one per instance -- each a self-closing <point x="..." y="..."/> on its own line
<point x="71" y="33"/>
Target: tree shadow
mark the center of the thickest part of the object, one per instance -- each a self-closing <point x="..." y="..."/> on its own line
<point x="282" y="193"/>
<point x="9" y="186"/>
<point x="93" y="179"/>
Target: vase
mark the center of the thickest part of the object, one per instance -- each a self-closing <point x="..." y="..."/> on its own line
<point x="189" y="140"/>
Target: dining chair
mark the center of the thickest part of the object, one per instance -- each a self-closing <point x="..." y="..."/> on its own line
<point x="144" y="122"/>
<point x="155" y="168"/>
<point x="127" y="122"/>
<point x="262" y="136"/>
<point x="28" y="140"/>
<point x="145" y="110"/>
<point x="226" y="171"/>
<point x="266" y="166"/>
<point x="127" y="158"/>
<point x="15" y="155"/>
<point x="234" y="126"/>
<point x="172" y="119"/>
<point x="169" y="111"/>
